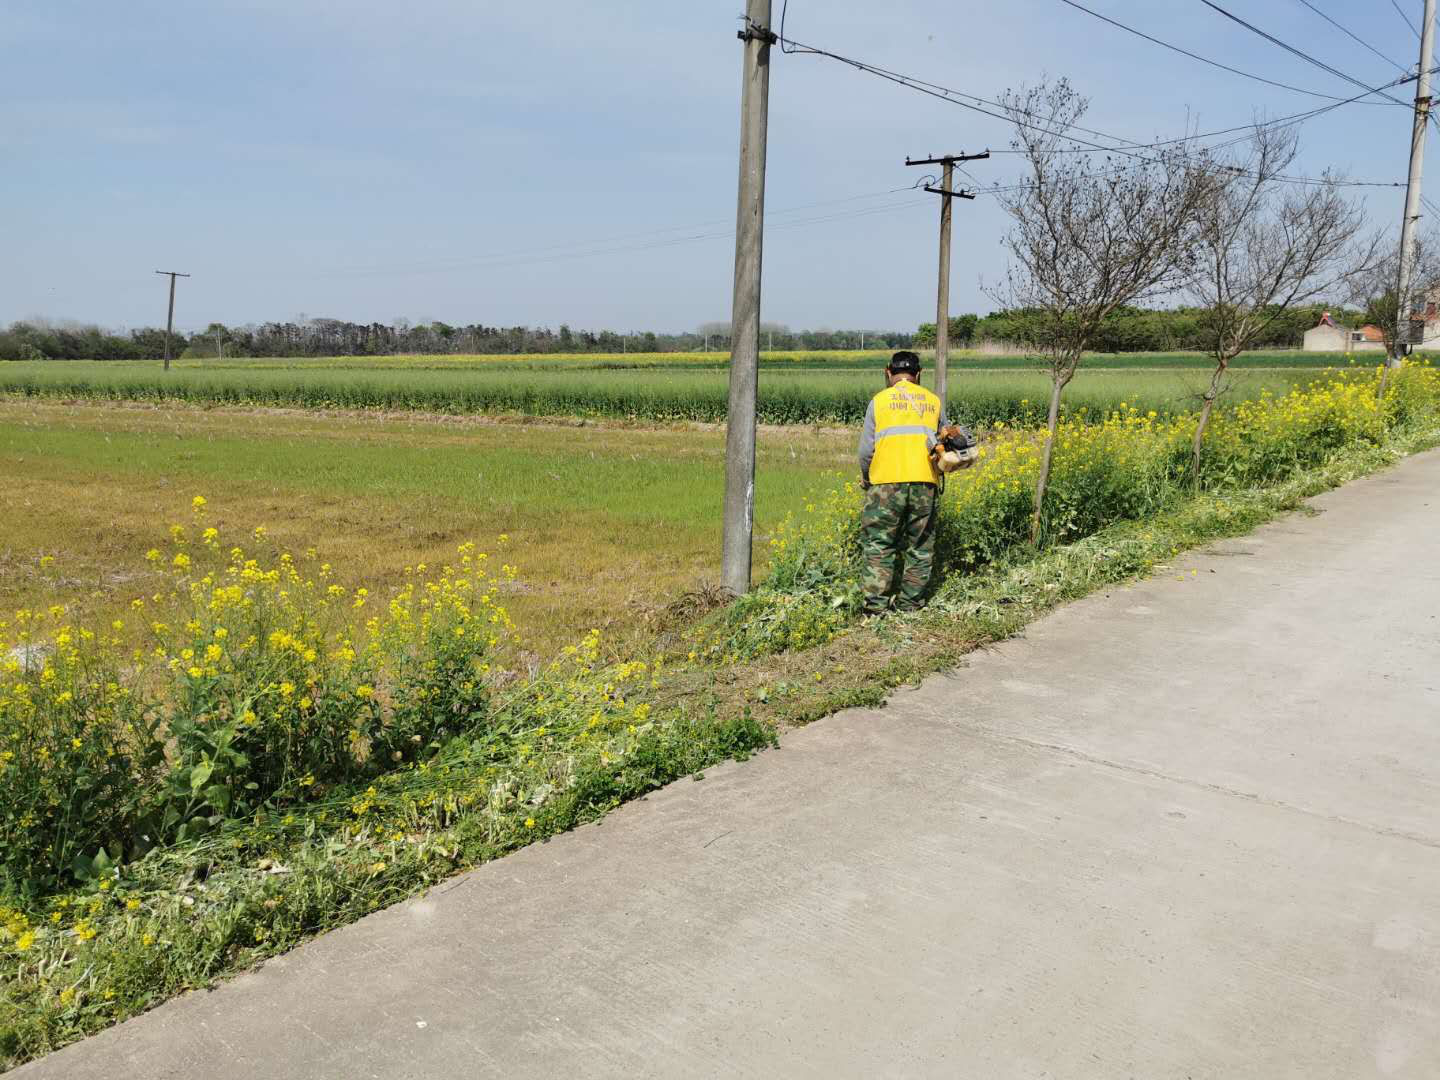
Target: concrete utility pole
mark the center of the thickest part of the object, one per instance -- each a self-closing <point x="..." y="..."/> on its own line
<point x="745" y="310"/>
<point x="170" y="318"/>
<point x="942" y="302"/>
<point x="1412" y="190"/>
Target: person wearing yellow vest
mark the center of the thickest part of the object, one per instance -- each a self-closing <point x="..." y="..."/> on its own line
<point x="897" y="526"/>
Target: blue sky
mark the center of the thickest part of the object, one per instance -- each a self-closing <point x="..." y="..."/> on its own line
<point x="445" y="160"/>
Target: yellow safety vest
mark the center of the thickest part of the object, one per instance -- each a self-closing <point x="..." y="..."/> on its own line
<point x="907" y="419"/>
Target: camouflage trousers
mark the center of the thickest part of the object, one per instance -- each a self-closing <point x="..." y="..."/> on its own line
<point x="897" y="537"/>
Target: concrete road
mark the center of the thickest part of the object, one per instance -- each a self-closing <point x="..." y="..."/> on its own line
<point x="1187" y="829"/>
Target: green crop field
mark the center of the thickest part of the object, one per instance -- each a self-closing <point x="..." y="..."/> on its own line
<point x="606" y="525"/>
<point x="818" y="359"/>
<point x="659" y="388"/>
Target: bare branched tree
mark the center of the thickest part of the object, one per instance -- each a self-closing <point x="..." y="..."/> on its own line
<point x="1090" y="235"/>
<point x="1267" y="244"/>
<point x="1374" y="288"/>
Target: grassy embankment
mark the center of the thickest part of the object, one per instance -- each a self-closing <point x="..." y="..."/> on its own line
<point x="805" y="389"/>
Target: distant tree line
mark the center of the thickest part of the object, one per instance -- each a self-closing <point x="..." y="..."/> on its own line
<point x="1134" y="329"/>
<point x="335" y="337"/>
<point x="43" y="341"/>
<point x="1129" y="329"/>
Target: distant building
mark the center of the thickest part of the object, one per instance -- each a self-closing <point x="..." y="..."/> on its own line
<point x="1425" y="321"/>
<point x="1330" y="336"/>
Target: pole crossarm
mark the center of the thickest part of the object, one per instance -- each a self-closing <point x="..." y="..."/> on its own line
<point x="948" y="159"/>
<point x="950" y="194"/>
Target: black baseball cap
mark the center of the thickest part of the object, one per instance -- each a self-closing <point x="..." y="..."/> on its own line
<point x="905" y="363"/>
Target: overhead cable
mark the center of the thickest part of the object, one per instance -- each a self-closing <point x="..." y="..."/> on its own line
<point x="1292" y="49"/>
<point x="1128" y="147"/>
<point x="1401" y="12"/>
<point x="1353" y="37"/>
<point x="562" y="253"/>
<point x="1203" y="59"/>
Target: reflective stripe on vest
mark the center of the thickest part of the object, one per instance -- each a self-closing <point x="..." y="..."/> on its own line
<point x="904" y="429"/>
<point x="907" y="417"/>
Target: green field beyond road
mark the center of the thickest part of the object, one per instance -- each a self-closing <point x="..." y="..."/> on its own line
<point x="604" y="523"/>
<point x="814" y="389"/>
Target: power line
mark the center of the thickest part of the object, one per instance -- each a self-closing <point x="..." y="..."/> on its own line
<point x="566" y="249"/>
<point x="1353" y="37"/>
<point x="1129" y="147"/>
<point x="543" y="255"/>
<point x="1294" y="119"/>
<point x="957" y="97"/>
<point x="1197" y="56"/>
<point x="1401" y="12"/>
<point x="563" y="252"/>
<point x="1291" y="48"/>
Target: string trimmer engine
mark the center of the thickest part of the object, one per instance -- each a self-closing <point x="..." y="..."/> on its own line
<point x="955" y="448"/>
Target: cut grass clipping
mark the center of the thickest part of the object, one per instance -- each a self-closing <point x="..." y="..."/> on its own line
<point x="187" y="802"/>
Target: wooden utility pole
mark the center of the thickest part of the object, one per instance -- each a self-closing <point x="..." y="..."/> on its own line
<point x="946" y="192"/>
<point x="170" y="318"/>
<point x="745" y="309"/>
<point x="1412" y="193"/>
